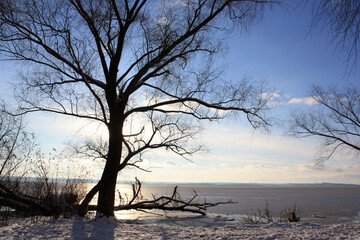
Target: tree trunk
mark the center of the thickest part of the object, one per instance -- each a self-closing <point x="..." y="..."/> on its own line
<point x="83" y="207"/>
<point x="106" y="200"/>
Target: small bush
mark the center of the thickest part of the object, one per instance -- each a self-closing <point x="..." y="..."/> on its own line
<point x="41" y="197"/>
<point x="289" y="215"/>
<point x="259" y="217"/>
<point x="61" y="198"/>
<point x="265" y="216"/>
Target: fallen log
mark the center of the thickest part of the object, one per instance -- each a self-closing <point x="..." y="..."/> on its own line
<point x="166" y="203"/>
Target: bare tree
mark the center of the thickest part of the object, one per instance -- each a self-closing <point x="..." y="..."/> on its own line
<point x="343" y="20"/>
<point x="141" y="68"/>
<point x="336" y="121"/>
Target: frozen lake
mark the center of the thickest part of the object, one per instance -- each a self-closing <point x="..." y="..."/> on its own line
<point x="335" y="204"/>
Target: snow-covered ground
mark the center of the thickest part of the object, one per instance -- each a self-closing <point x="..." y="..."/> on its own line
<point x="194" y="228"/>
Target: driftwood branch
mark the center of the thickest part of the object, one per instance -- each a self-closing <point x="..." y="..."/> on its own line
<point x="174" y="202"/>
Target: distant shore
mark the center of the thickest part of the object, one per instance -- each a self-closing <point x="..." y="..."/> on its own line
<point x="206" y="184"/>
<point x="226" y="184"/>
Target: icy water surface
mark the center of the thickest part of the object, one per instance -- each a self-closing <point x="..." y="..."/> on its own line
<point x="316" y="204"/>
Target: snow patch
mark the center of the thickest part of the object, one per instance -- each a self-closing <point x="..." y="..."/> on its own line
<point x="78" y="228"/>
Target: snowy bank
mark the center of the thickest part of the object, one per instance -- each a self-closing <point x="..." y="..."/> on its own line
<point x="104" y="229"/>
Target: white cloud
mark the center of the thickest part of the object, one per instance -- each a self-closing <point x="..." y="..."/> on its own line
<point x="237" y="155"/>
<point x="271" y="95"/>
<point x="175" y="3"/>
<point x="274" y="99"/>
<point x="163" y="21"/>
<point x="304" y="100"/>
<point x="238" y="140"/>
<point x="258" y="173"/>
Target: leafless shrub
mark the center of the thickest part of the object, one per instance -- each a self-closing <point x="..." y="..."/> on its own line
<point x="259" y="217"/>
<point x="42" y="197"/>
<point x="6" y="214"/>
<point x="37" y="194"/>
<point x="289" y="215"/>
<point x="265" y="216"/>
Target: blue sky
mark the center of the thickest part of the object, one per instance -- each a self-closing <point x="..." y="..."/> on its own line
<point x="278" y="50"/>
<point x="282" y="51"/>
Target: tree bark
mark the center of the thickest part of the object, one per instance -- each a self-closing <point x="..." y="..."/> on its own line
<point x="83" y="207"/>
<point x="106" y="200"/>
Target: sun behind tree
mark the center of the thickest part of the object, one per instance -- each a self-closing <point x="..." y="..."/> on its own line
<point x="122" y="63"/>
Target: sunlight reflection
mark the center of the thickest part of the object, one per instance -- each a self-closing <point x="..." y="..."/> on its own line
<point x="128" y="215"/>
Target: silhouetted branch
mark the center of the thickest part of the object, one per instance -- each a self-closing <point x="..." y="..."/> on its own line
<point x="342" y="18"/>
<point x="335" y="121"/>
